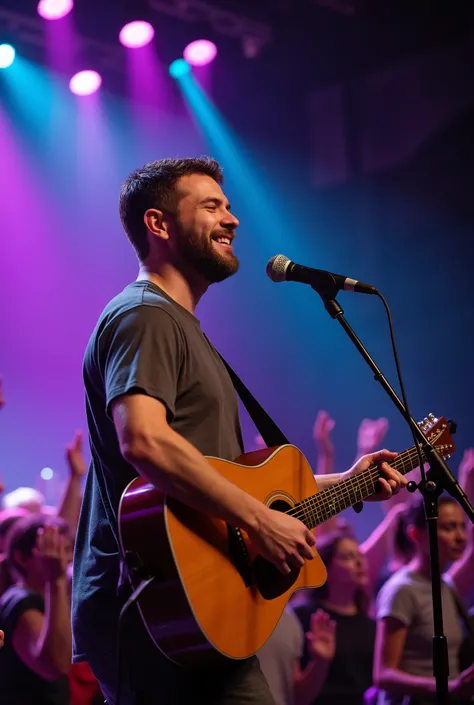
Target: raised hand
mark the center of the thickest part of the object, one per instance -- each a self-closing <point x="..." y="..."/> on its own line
<point x="2" y="636"/>
<point x="75" y="458"/>
<point x="52" y="549"/>
<point x="321" y="432"/>
<point x="370" y="435"/>
<point x="321" y="637"/>
<point x="466" y="472"/>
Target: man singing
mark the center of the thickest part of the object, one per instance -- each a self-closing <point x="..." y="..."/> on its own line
<point x="158" y="400"/>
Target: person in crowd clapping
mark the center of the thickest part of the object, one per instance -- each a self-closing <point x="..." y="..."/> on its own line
<point x="35" y="614"/>
<point x="280" y="658"/>
<point x="345" y="597"/>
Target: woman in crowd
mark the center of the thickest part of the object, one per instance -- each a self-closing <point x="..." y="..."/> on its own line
<point x="35" y="614"/>
<point x="403" y="654"/>
<point x="7" y="518"/>
<point x="344" y="598"/>
<point x="281" y="656"/>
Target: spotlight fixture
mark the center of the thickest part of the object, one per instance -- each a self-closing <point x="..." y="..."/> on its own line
<point x="7" y="55"/>
<point x="179" y="68"/>
<point x="136" y="34"/>
<point x="85" y="83"/>
<point x="54" y="9"/>
<point x="136" y="21"/>
<point x="200" y="52"/>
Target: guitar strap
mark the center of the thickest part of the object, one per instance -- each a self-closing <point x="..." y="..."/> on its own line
<point x="267" y="428"/>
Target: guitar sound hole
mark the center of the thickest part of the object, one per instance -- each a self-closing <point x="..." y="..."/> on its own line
<point x="271" y="583"/>
<point x="280" y="505"/>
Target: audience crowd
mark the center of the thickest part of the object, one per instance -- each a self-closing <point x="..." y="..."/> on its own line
<point x="363" y="638"/>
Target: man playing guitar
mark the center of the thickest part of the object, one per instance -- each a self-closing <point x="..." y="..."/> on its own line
<point x="158" y="400"/>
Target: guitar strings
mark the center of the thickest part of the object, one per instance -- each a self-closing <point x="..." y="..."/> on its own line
<point x="328" y="500"/>
<point x="344" y="489"/>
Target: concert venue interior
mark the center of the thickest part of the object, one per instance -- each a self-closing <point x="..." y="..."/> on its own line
<point x="345" y="131"/>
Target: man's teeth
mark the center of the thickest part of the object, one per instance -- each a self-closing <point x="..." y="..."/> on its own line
<point x="224" y="240"/>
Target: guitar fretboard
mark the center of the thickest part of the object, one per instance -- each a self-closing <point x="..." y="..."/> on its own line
<point x="320" y="507"/>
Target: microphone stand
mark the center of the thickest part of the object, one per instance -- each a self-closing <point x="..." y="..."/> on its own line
<point x="438" y="478"/>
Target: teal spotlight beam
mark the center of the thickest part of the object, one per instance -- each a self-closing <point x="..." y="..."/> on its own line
<point x="228" y="150"/>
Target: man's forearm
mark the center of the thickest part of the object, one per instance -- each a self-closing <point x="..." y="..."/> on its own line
<point x="174" y="466"/>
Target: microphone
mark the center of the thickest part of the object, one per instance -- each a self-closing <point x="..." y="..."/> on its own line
<point x="281" y="269"/>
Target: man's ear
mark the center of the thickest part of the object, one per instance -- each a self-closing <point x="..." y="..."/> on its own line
<point x="156" y="223"/>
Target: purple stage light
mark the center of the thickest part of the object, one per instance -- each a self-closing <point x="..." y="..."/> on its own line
<point x="200" y="52"/>
<point x="136" y="34"/>
<point x="85" y="82"/>
<point x="54" y="9"/>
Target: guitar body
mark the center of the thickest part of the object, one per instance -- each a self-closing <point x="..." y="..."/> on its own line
<point x="211" y="598"/>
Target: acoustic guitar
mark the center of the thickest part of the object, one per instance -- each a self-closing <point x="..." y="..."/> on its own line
<point x="211" y="597"/>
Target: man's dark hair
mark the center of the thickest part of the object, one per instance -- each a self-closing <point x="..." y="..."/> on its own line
<point x="154" y="186"/>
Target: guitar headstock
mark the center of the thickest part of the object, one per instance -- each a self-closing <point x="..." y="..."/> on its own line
<point x="439" y="433"/>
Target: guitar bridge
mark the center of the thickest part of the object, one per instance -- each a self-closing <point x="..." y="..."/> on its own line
<point x="240" y="555"/>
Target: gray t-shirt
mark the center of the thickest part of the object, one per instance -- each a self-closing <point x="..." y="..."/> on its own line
<point x="143" y="342"/>
<point x="406" y="596"/>
<point x="280" y="655"/>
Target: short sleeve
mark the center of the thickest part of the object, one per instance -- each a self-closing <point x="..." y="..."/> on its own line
<point x="143" y="355"/>
<point x="15" y="602"/>
<point x="398" y="601"/>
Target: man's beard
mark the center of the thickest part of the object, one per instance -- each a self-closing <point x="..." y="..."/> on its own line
<point x="205" y="258"/>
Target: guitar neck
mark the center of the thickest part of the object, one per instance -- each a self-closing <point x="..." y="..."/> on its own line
<point x="322" y="506"/>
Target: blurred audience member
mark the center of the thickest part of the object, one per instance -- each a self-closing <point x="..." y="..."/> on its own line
<point x="403" y="655"/>
<point x="322" y="428"/>
<point x="460" y="574"/>
<point x="35" y="614"/>
<point x="344" y="597"/>
<point x="7" y="518"/>
<point x="24" y="498"/>
<point x="70" y="506"/>
<point x="280" y="658"/>
<point x="399" y="548"/>
<point x="370" y="435"/>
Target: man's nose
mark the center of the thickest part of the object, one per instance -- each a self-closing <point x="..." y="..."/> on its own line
<point x="230" y="221"/>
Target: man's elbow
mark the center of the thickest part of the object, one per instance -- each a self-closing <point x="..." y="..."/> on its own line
<point x="141" y="447"/>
